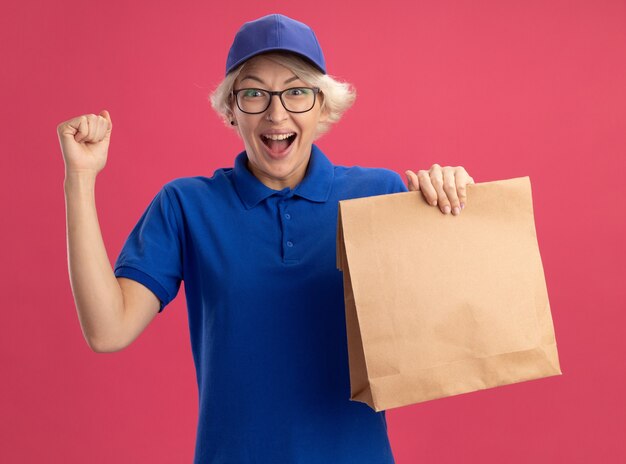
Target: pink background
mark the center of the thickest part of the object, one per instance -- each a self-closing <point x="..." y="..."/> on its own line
<point x="503" y="88"/>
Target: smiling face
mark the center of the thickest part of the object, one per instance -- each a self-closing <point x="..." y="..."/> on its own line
<point x="276" y="163"/>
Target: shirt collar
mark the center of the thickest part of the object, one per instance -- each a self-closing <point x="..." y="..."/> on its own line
<point x="315" y="185"/>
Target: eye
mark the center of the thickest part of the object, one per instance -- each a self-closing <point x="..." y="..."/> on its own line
<point x="252" y="93"/>
<point x="298" y="91"/>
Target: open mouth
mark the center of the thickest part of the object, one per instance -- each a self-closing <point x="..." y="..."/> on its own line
<point x="278" y="143"/>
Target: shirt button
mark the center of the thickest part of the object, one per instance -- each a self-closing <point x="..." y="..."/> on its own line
<point x="289" y="244"/>
<point x="287" y="215"/>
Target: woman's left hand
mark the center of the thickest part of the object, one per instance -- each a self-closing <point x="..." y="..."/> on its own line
<point x="444" y="186"/>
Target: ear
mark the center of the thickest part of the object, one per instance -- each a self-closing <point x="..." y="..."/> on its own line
<point x="230" y="117"/>
<point x="325" y="112"/>
<point x="235" y="127"/>
<point x="231" y="111"/>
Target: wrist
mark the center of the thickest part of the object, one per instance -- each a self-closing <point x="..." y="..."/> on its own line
<point x="79" y="180"/>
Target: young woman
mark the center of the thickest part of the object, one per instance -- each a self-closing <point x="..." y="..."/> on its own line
<point x="255" y="245"/>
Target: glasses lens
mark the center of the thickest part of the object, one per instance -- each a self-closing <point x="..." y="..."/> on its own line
<point x="253" y="100"/>
<point x="298" y="99"/>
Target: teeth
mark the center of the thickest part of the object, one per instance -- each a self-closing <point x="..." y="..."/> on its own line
<point x="278" y="136"/>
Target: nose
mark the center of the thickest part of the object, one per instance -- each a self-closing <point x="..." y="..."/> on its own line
<point x="276" y="110"/>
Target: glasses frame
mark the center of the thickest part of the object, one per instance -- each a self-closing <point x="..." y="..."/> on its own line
<point x="280" y="93"/>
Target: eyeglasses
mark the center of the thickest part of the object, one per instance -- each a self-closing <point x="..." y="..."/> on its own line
<point x="295" y="99"/>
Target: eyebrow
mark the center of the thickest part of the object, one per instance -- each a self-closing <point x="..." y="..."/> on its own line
<point x="291" y="79"/>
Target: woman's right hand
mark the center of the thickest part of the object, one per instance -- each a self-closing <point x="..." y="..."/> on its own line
<point x="85" y="142"/>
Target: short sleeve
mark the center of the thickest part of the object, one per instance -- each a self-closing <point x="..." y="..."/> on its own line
<point x="396" y="183"/>
<point x="152" y="253"/>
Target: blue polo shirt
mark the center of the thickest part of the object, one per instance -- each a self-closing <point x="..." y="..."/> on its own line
<point x="266" y="310"/>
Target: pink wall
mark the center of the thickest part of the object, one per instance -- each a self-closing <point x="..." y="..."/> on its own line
<point x="503" y="88"/>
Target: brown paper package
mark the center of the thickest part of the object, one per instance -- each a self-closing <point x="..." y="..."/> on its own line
<point x="438" y="305"/>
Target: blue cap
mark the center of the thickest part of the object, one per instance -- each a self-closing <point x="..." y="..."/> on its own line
<point x="275" y="32"/>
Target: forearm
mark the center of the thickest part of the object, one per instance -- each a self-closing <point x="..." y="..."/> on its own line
<point x="97" y="294"/>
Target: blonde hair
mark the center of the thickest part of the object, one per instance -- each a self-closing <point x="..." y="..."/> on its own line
<point x="337" y="96"/>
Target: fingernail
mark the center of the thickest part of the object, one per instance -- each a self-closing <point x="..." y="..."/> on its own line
<point x="456" y="211"/>
<point x="446" y="209"/>
<point x="434" y="202"/>
<point x="462" y="205"/>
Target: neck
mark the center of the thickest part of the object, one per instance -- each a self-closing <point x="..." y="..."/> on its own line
<point x="276" y="183"/>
